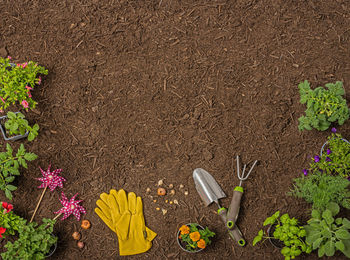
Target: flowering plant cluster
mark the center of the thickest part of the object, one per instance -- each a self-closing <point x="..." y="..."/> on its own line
<point x="324" y="106"/>
<point x="9" y="222"/>
<point x="194" y="238"/>
<point x="16" y="82"/>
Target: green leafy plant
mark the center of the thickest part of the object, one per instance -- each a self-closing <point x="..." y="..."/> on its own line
<point x="193" y="238"/>
<point x="17" y="81"/>
<point x="34" y="242"/>
<point x="323" y="106"/>
<point x="9" y="221"/>
<point x="288" y="231"/>
<point x="9" y="167"/>
<point x="327" y="234"/>
<point x="320" y="189"/>
<point x="335" y="160"/>
<point x="16" y="124"/>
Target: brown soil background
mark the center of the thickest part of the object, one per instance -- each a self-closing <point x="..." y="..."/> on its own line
<point x="140" y="91"/>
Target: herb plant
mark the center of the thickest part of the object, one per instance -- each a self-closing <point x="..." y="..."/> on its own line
<point x="335" y="159"/>
<point x="17" y="125"/>
<point x="324" y="106"/>
<point x="320" y="189"/>
<point x="194" y="238"/>
<point x="288" y="231"/>
<point x="17" y="81"/>
<point x="9" y="221"/>
<point x="9" y="166"/>
<point x="34" y="242"/>
<point x="327" y="234"/>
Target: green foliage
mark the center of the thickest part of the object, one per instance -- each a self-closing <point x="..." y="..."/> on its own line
<point x="205" y="234"/>
<point x="11" y="222"/>
<point x="17" y="125"/>
<point x="288" y="231"/>
<point x="34" y="242"/>
<point x="335" y="158"/>
<point x="320" y="189"/>
<point x="16" y="82"/>
<point x="323" y="106"/>
<point x="328" y="234"/>
<point x="9" y="167"/>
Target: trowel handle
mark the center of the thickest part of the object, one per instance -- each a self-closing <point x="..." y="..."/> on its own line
<point x="233" y="210"/>
<point x="235" y="233"/>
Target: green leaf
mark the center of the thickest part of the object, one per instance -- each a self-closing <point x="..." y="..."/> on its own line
<point x="340" y="245"/>
<point x="316" y="214"/>
<point x="256" y="239"/>
<point x="11" y="187"/>
<point x="329" y="247"/>
<point x="30" y="156"/>
<point x="10" y="179"/>
<point x="9" y="149"/>
<point x="342" y="234"/>
<point x="269" y="221"/>
<point x="321" y="251"/>
<point x="317" y="243"/>
<point x="8" y="194"/>
<point x="346" y="223"/>
<point x="36" y="127"/>
<point x="31" y="137"/>
<point x="334" y="208"/>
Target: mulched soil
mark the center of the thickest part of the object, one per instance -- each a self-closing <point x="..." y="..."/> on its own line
<point x="140" y="91"/>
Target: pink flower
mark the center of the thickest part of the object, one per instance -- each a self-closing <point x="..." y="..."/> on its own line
<point x="9" y="57"/>
<point x="24" y="104"/>
<point x="24" y="65"/>
<point x="18" y="65"/>
<point x="29" y="88"/>
<point x="39" y="80"/>
<point x="7" y="206"/>
<point x="3" y="101"/>
<point x="29" y="95"/>
<point x="2" y="231"/>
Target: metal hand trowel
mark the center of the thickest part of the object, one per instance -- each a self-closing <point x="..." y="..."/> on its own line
<point x="210" y="191"/>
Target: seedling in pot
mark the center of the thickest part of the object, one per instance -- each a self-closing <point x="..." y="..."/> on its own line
<point x="324" y="106"/>
<point x="17" y="125"/>
<point x="9" y="167"/>
<point x="16" y="82"/>
<point x="328" y="234"/>
<point x="289" y="232"/>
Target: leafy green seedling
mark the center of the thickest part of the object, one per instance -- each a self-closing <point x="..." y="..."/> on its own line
<point x="323" y="106"/>
<point x="9" y="167"/>
<point x="328" y="234"/>
<point x="288" y="231"/>
<point x="16" y="124"/>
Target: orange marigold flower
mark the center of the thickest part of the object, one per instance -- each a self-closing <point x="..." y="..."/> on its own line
<point x="201" y="243"/>
<point x="184" y="230"/>
<point x="195" y="236"/>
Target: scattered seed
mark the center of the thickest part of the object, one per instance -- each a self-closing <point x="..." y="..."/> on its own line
<point x="172" y="192"/>
<point x="166" y="201"/>
<point x="157" y="208"/>
<point x="148" y="190"/>
<point x="171" y="186"/>
<point x="186" y="193"/>
<point x="154" y="200"/>
<point x="80" y="244"/>
<point x="161" y="191"/>
<point x="164" y="211"/>
<point x="171" y="202"/>
<point x="160" y="182"/>
<point x="176" y="202"/>
<point x="181" y="186"/>
<point x="76" y="235"/>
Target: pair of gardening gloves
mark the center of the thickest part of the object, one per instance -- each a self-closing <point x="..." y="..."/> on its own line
<point x="123" y="214"/>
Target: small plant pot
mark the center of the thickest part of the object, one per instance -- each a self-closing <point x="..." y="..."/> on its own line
<point x="275" y="242"/>
<point x="182" y="245"/>
<point x="3" y="131"/>
<point x="324" y="145"/>
<point x="52" y="248"/>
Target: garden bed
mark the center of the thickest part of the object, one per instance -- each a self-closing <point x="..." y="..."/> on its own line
<point x="138" y="93"/>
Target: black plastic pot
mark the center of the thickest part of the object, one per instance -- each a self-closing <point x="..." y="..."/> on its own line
<point x="3" y="131"/>
<point x="52" y="248"/>
<point x="275" y="242"/>
<point x="183" y="245"/>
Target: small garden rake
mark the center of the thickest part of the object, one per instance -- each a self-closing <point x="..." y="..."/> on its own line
<point x="233" y="210"/>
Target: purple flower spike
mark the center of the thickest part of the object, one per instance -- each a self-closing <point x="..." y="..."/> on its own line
<point x="329" y="151"/>
<point x="317" y="158"/>
<point x="334" y="130"/>
<point x="349" y="178"/>
<point x="328" y="159"/>
<point x="305" y="172"/>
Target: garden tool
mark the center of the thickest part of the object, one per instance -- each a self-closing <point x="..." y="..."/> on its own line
<point x="233" y="210"/>
<point x="124" y="215"/>
<point x="210" y="191"/>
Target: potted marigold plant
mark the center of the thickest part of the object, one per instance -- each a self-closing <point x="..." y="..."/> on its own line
<point x="193" y="238"/>
<point x="16" y="82"/>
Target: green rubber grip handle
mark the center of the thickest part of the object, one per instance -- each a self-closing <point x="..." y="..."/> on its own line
<point x="234" y="233"/>
<point x="233" y="210"/>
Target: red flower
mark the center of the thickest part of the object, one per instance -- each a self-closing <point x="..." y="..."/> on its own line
<point x="7" y="206"/>
<point x="2" y="231"/>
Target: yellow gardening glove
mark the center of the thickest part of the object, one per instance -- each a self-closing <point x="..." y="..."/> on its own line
<point x="104" y="212"/>
<point x="133" y="236"/>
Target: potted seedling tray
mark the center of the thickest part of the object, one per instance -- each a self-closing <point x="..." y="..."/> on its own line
<point x="3" y="130"/>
